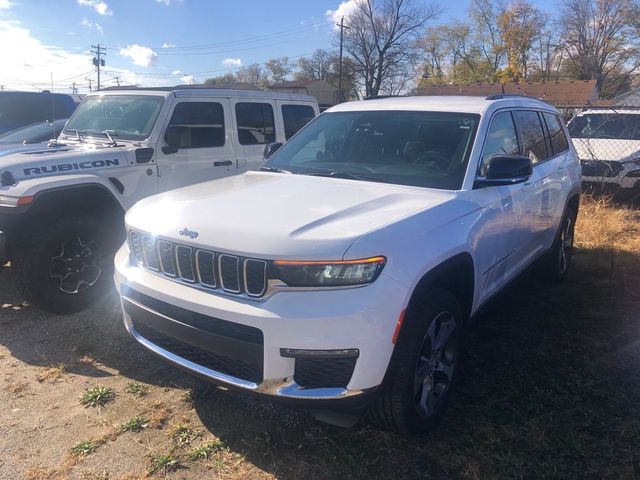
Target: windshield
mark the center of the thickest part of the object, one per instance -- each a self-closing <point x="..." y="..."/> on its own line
<point x="606" y="125"/>
<point x="40" y="132"/>
<point x="128" y="117"/>
<point x="425" y="149"/>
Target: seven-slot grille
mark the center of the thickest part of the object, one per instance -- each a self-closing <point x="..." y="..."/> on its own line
<point x="203" y="268"/>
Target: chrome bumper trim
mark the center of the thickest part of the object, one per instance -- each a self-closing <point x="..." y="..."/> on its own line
<point x="286" y="388"/>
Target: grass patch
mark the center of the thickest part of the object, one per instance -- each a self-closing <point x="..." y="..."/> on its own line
<point x="136" y="389"/>
<point x="135" y="424"/>
<point x="51" y="374"/>
<point x="206" y="450"/>
<point x="83" y="448"/>
<point x="182" y="435"/>
<point x="163" y="464"/>
<point x="97" y="396"/>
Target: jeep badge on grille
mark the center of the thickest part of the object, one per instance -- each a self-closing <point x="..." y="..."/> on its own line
<point x="185" y="232"/>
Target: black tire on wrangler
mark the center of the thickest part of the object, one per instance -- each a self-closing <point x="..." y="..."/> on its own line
<point x="66" y="264"/>
<point x="555" y="265"/>
<point x="423" y="368"/>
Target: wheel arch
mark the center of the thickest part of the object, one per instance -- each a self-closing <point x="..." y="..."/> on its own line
<point x="456" y="275"/>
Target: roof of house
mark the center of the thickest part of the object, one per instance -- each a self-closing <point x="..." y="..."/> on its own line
<point x="296" y="83"/>
<point x="559" y="93"/>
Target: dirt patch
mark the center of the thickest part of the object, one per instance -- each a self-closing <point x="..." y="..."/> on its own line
<point x="549" y="389"/>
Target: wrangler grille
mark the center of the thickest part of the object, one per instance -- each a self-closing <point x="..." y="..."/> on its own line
<point x="203" y="268"/>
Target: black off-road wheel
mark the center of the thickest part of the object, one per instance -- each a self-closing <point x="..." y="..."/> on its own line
<point x="555" y="265"/>
<point x="423" y="369"/>
<point x="66" y="264"/>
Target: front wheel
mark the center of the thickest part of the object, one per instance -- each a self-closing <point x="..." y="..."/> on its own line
<point x="423" y="368"/>
<point x="556" y="265"/>
<point x="66" y="264"/>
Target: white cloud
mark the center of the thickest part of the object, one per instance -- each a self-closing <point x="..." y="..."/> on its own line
<point x="345" y="9"/>
<point x="86" y="23"/>
<point x="188" y="79"/>
<point x="176" y="72"/>
<point x="232" y="62"/>
<point x="167" y="2"/>
<point x="99" y="6"/>
<point x="168" y="45"/>
<point x="30" y="66"/>
<point x="142" y="56"/>
<point x="5" y="4"/>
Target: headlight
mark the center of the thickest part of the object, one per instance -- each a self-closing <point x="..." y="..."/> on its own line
<point x="329" y="274"/>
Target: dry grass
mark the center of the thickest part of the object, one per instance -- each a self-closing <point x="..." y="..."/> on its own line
<point x="604" y="225"/>
<point x="51" y="374"/>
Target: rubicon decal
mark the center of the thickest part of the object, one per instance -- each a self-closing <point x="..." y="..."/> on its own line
<point x="67" y="167"/>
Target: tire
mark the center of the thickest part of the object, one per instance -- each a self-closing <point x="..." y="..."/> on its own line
<point x="403" y="404"/>
<point x="66" y="264"/>
<point x="555" y="266"/>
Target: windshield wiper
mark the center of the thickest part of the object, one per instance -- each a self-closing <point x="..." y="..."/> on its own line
<point x="274" y="169"/>
<point x="77" y="132"/>
<point x="112" y="142"/>
<point x="344" y="174"/>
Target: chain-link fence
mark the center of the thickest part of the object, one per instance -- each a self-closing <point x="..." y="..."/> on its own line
<point x="607" y="140"/>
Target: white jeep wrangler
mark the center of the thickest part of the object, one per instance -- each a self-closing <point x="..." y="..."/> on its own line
<point x="62" y="205"/>
<point x="345" y="271"/>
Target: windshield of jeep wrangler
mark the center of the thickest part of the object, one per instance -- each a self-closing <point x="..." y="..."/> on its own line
<point x="424" y="149"/>
<point x="126" y="117"/>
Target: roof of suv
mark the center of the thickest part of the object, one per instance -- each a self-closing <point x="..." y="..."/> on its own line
<point x="205" y="92"/>
<point x="444" y="103"/>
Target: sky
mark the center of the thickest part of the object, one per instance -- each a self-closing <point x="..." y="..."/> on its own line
<point x="162" y="42"/>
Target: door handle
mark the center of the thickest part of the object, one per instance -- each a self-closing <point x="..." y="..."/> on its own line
<point x="225" y="163"/>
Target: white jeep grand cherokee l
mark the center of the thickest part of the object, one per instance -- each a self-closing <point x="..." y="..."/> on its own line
<point x="344" y="272"/>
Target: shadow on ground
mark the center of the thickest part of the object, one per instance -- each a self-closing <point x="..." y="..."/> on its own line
<point x="548" y="388"/>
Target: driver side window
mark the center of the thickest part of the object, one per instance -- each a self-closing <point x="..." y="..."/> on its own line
<point x="502" y="139"/>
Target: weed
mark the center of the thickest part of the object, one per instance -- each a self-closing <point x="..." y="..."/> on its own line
<point x="206" y="450"/>
<point x="163" y="464"/>
<point x="51" y="374"/>
<point x="136" y="389"/>
<point x="135" y="424"/>
<point x="182" y="434"/>
<point x="83" y="448"/>
<point x="97" y="396"/>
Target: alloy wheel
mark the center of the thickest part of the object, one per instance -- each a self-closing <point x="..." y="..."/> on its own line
<point x="566" y="244"/>
<point x="436" y="364"/>
<point x="75" y="268"/>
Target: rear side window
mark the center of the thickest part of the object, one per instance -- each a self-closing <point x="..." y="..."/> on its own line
<point x="295" y="117"/>
<point x="255" y="123"/>
<point x="204" y="122"/>
<point x="533" y="138"/>
<point x="559" y="141"/>
<point x="502" y="138"/>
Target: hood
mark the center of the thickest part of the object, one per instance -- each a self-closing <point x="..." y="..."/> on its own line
<point x="272" y="215"/>
<point x="9" y="148"/>
<point x="37" y="160"/>
<point x="606" y="149"/>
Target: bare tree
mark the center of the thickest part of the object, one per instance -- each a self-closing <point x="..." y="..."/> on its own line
<point x="316" y="67"/>
<point x="278" y="69"/>
<point x="488" y="39"/>
<point x="227" y="78"/>
<point x="600" y="37"/>
<point x="253" y="75"/>
<point x="381" y="40"/>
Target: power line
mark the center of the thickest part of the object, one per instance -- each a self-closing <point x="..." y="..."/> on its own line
<point x="257" y="38"/>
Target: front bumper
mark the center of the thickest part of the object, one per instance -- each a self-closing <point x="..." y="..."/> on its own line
<point x="358" y="320"/>
<point x="611" y="175"/>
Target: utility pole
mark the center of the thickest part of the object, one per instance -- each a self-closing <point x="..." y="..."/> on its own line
<point x="342" y="27"/>
<point x="1" y="88"/>
<point x="89" y="80"/>
<point x="73" y="88"/>
<point x="98" y="62"/>
<point x="117" y="79"/>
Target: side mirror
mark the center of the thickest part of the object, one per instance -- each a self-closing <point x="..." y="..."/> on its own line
<point x="505" y="170"/>
<point x="173" y="138"/>
<point x="270" y="149"/>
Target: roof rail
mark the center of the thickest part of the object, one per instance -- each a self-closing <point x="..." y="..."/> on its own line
<point x="498" y="96"/>
<point x="379" y="97"/>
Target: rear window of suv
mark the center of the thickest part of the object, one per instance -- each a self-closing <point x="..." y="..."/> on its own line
<point x="425" y="149"/>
